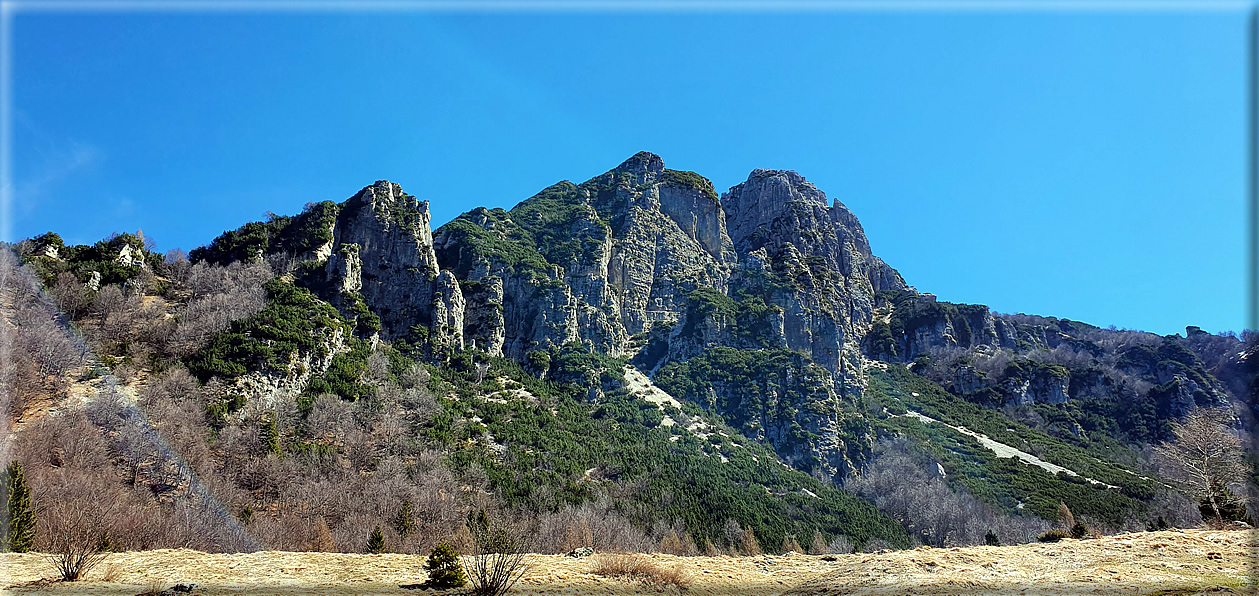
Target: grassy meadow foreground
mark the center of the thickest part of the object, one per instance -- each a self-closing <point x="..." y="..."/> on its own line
<point x="1174" y="562"/>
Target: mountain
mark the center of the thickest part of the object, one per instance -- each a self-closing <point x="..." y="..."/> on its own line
<point x="751" y="345"/>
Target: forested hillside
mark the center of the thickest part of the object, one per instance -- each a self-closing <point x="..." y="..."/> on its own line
<point x="633" y="362"/>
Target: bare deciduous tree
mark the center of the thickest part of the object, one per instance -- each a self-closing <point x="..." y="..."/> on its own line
<point x="1205" y="459"/>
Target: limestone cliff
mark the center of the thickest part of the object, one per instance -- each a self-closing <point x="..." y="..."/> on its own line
<point x="382" y="250"/>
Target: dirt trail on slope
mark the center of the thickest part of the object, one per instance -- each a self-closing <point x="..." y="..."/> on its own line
<point x="1172" y="562"/>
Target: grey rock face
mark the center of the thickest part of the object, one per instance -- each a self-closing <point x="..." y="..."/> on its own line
<point x="621" y="255"/>
<point x="382" y="247"/>
<point x="813" y="259"/>
<point x="643" y="238"/>
<point x="669" y="238"/>
<point x="1039" y="389"/>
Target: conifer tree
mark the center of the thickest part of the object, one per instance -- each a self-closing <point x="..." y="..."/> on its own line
<point x="270" y="436"/>
<point x="376" y="542"/>
<point x="19" y="517"/>
<point x="444" y="570"/>
<point x="405" y="523"/>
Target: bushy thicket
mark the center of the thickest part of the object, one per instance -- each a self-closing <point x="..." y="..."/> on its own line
<point x="904" y="482"/>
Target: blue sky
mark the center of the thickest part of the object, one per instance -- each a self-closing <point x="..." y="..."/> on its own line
<point x="1087" y="165"/>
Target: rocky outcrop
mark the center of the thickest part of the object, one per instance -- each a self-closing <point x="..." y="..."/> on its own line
<point x="1038" y="389"/>
<point x="811" y="259"/>
<point x="266" y="386"/>
<point x="594" y="263"/>
<point x="382" y="249"/>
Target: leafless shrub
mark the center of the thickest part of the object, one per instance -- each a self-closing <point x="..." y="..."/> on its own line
<point x="329" y="418"/>
<point x="993" y="364"/>
<point x="219" y="295"/>
<point x="905" y="485"/>
<point x="75" y="556"/>
<point x="70" y="295"/>
<point x="64" y="440"/>
<point x="674" y="543"/>
<point x="591" y="524"/>
<point x="173" y="385"/>
<point x="498" y="552"/>
<point x="839" y="546"/>
<point x="1064" y="355"/>
<point x="283" y="530"/>
<point x="875" y="545"/>
<point x="1205" y="460"/>
<point x="322" y="540"/>
<point x="749" y="546"/>
<point x="631" y="567"/>
<point x="73" y="509"/>
<point x="414" y="377"/>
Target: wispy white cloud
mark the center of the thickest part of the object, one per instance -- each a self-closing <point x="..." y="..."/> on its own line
<point x="45" y="164"/>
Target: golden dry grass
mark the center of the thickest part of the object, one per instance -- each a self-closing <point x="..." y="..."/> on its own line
<point x="1171" y="562"/>
<point x="635" y="567"/>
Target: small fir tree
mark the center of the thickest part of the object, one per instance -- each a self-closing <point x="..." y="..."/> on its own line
<point x="991" y="539"/>
<point x="405" y="523"/>
<point x="1079" y="531"/>
<point x="376" y="542"/>
<point x="270" y="436"/>
<point x="19" y="517"/>
<point x="444" y="570"/>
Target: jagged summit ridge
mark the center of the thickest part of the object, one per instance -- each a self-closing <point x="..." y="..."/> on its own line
<point x="641" y="262"/>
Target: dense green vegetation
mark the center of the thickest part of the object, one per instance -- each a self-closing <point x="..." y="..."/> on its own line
<point x="755" y="388"/>
<point x="83" y="259"/>
<point x="1004" y="482"/>
<point x="280" y="233"/>
<point x="659" y="472"/>
<point x="498" y="240"/>
<point x="912" y="311"/>
<point x="692" y="180"/>
<point x="293" y="321"/>
<point x="564" y="228"/>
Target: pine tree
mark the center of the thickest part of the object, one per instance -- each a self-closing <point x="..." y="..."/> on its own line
<point x="376" y="542"/>
<point x="405" y="524"/>
<point x="991" y="539"/>
<point x="270" y="436"/>
<point x="19" y="517"/>
<point x="444" y="570"/>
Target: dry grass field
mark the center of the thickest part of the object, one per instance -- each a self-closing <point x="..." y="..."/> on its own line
<point x="1170" y="562"/>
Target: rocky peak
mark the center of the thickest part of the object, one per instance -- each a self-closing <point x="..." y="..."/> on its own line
<point x="643" y="165"/>
<point x="390" y="224"/>
<point x="768" y="196"/>
<point x="383" y="250"/>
